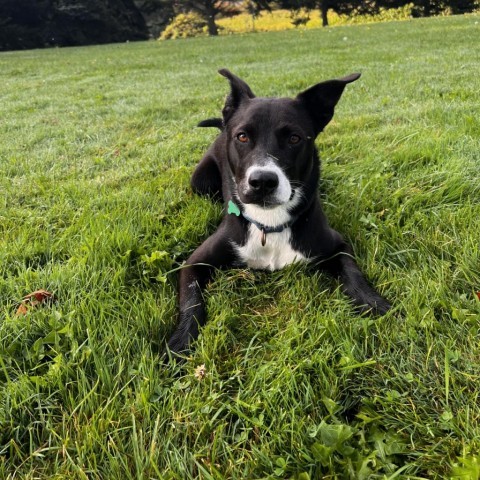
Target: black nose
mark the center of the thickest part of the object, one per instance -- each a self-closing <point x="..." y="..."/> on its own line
<point x="263" y="181"/>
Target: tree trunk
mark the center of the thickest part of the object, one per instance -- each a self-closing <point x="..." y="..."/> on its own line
<point x="427" y="8"/>
<point x="324" y="12"/>
<point x="212" y="26"/>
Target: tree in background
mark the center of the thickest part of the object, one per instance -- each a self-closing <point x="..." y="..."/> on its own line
<point x="208" y="9"/>
<point x="426" y="8"/>
<point x="43" y="23"/>
<point x="253" y="8"/>
<point x="347" y="7"/>
<point x="356" y="7"/>
<point x="157" y="14"/>
<point x="421" y="8"/>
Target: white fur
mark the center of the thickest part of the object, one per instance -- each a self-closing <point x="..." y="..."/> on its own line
<point x="284" y="190"/>
<point x="274" y="216"/>
<point x="276" y="254"/>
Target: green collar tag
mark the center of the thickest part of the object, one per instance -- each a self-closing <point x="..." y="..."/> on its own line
<point x="233" y="208"/>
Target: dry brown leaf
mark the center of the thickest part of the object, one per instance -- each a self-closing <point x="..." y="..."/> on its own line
<point x="34" y="299"/>
<point x="22" y="310"/>
<point x="39" y="295"/>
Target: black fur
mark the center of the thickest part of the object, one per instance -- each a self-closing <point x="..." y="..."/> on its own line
<point x="268" y="122"/>
<point x="212" y="122"/>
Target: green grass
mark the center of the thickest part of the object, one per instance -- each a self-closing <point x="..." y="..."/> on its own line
<point x="97" y="145"/>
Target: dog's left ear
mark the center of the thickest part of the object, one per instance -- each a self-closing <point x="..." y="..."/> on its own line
<point x="320" y="100"/>
<point x="240" y="91"/>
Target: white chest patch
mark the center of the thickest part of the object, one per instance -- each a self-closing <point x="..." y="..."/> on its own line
<point x="276" y="254"/>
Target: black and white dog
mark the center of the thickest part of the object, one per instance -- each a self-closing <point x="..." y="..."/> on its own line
<point x="265" y="166"/>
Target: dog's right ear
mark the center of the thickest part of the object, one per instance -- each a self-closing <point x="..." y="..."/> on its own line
<point x="320" y="100"/>
<point x="239" y="92"/>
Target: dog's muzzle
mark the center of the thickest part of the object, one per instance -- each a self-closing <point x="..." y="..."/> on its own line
<point x="266" y="186"/>
<point x="263" y="182"/>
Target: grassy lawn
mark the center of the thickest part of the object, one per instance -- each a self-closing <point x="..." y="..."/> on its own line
<point x="97" y="145"/>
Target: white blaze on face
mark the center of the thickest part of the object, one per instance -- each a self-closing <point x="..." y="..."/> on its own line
<point x="283" y="191"/>
<point x="279" y="214"/>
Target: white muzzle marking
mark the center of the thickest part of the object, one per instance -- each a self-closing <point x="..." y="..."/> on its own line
<point x="278" y="214"/>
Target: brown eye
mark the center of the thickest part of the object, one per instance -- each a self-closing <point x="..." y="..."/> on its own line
<point x="294" y="139"/>
<point x="242" y="137"/>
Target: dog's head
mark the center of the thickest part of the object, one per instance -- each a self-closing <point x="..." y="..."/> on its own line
<point x="271" y="141"/>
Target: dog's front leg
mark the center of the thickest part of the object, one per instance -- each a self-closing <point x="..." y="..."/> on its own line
<point x="215" y="252"/>
<point x="356" y="286"/>
<point x="353" y="282"/>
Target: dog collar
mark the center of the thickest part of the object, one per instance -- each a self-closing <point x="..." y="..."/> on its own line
<point x="235" y="210"/>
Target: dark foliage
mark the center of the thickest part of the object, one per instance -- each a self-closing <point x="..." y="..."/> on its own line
<point x="422" y="8"/>
<point x="157" y="14"/>
<point x="40" y="23"/>
<point x="208" y="9"/>
<point x="426" y="8"/>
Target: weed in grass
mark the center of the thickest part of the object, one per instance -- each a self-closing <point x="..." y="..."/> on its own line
<point x="97" y="145"/>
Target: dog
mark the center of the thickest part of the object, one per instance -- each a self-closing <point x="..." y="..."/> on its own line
<point x="266" y="168"/>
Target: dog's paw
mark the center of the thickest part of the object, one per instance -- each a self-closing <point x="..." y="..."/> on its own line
<point x="172" y="358"/>
<point x="381" y="306"/>
<point x="374" y="305"/>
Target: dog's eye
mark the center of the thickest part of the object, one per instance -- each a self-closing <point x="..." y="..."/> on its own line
<point x="294" y="139"/>
<point x="242" y="137"/>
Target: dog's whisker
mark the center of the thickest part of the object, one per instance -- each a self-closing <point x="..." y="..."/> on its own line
<point x="297" y="183"/>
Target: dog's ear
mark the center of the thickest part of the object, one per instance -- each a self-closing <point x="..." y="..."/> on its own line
<point x="320" y="100"/>
<point x="239" y="92"/>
